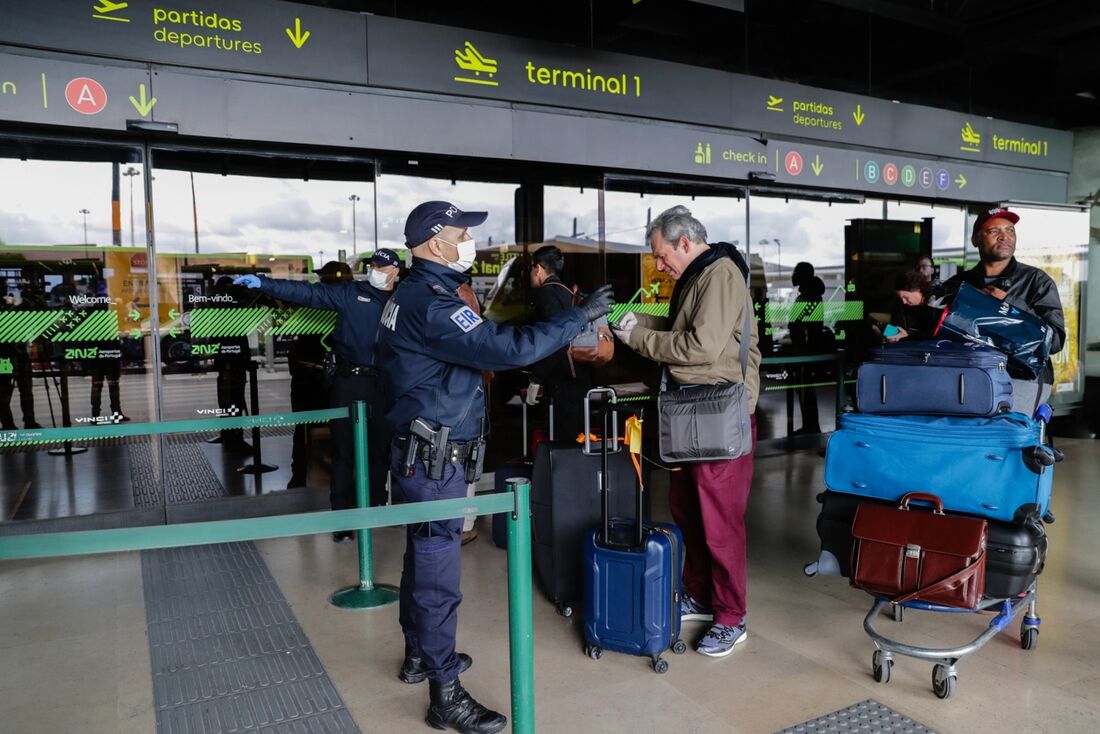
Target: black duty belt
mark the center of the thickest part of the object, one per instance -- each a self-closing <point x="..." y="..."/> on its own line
<point x="457" y="451"/>
<point x="346" y="368"/>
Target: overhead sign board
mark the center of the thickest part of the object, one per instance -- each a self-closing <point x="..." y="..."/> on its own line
<point x="795" y="110"/>
<point x="410" y="55"/>
<point x="49" y="92"/>
<point x="269" y="37"/>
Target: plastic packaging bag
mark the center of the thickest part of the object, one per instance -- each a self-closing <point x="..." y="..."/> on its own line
<point x="976" y="316"/>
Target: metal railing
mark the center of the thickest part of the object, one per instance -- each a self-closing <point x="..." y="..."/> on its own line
<point x="516" y="502"/>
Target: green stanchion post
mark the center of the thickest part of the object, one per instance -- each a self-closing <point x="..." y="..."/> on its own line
<point x="520" y="623"/>
<point x="367" y="595"/>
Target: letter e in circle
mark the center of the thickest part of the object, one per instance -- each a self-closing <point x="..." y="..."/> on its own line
<point x="86" y="96"/>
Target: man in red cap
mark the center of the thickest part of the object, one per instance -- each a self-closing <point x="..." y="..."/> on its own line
<point x="1001" y="275"/>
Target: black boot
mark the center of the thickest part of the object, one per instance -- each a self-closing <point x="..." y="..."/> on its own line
<point x="452" y="707"/>
<point x="413" y="671"/>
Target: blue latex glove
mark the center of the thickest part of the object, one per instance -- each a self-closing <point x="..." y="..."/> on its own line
<point x="252" y="281"/>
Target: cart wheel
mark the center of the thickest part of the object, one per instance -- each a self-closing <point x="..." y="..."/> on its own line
<point x="880" y="667"/>
<point x="1029" y="637"/>
<point x="899" y="613"/>
<point x="943" y="681"/>
<point x="679" y="647"/>
<point x="565" y="610"/>
<point x="660" y="665"/>
<point x="593" y="651"/>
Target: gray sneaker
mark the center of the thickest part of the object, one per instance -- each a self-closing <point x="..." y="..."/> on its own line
<point x="720" y="639"/>
<point x="693" y="611"/>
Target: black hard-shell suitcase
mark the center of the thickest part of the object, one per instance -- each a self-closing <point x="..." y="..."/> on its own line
<point x="565" y="505"/>
<point x="521" y="466"/>
<point x="1015" y="553"/>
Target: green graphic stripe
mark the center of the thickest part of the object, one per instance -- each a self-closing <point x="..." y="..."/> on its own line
<point x="226" y="322"/>
<point x="31" y="436"/>
<point x="24" y="326"/>
<point x="97" y="326"/>
<point x="649" y="309"/>
<point x="827" y="311"/>
<point x="307" y="321"/>
<point x="772" y="388"/>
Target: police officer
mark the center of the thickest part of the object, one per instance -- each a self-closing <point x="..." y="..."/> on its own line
<point x="436" y="410"/>
<point x="350" y="367"/>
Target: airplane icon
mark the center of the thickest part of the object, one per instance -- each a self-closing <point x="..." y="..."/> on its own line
<point x="472" y="60"/>
<point x="972" y="138"/>
<point x="774" y="102"/>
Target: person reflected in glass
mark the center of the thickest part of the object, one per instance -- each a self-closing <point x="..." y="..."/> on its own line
<point x="910" y="314"/>
<point x="231" y="362"/>
<point x="16" y="371"/>
<point x="807" y="338"/>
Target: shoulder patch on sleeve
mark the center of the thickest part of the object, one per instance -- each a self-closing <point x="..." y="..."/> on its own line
<point x="466" y="319"/>
<point x="440" y="289"/>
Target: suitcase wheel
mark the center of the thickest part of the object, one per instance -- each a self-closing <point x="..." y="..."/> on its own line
<point x="943" y="681"/>
<point x="1029" y="636"/>
<point x="679" y="647"/>
<point x="660" y="665"/>
<point x="564" y="609"/>
<point x="881" y="665"/>
<point x="593" y="651"/>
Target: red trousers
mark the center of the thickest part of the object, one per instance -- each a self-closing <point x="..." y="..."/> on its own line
<point x="708" y="501"/>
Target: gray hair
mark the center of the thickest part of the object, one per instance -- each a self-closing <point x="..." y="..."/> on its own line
<point x="674" y="222"/>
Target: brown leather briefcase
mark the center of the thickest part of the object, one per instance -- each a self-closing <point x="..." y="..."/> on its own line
<point x="903" y="554"/>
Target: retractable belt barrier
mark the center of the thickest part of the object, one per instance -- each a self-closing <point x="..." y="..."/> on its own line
<point x="516" y="502"/>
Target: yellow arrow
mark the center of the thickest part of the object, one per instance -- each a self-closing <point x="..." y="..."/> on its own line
<point x="961" y="180"/>
<point x="297" y="37"/>
<point x="145" y="106"/>
<point x="858" y="114"/>
<point x="817" y="165"/>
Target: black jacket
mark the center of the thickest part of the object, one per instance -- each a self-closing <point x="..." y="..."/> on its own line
<point x="551" y="298"/>
<point x="1029" y="289"/>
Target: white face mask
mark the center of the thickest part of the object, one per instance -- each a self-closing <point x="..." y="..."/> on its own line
<point x="467" y="251"/>
<point x="379" y="280"/>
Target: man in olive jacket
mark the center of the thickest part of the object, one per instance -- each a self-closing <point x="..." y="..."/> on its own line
<point x="700" y="343"/>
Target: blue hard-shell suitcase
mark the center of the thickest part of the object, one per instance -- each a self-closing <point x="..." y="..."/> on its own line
<point x="632" y="583"/>
<point x="632" y="593"/>
<point x="932" y="377"/>
<point x="994" y="467"/>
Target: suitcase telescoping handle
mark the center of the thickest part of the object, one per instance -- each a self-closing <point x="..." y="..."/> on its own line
<point x="611" y="398"/>
<point x="928" y="497"/>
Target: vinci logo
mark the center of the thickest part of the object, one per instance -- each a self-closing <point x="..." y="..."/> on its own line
<point x="469" y="59"/>
<point x="230" y="411"/>
<point x="113" y="418"/>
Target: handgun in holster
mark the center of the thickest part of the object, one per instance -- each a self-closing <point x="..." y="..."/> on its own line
<point x="421" y="433"/>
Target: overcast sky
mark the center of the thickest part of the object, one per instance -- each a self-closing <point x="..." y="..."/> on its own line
<point x="40" y="203"/>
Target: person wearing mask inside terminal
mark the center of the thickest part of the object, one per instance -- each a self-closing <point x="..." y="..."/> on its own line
<point x="439" y="345"/>
<point x="350" y="368"/>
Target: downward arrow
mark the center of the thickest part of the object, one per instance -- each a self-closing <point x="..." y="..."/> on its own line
<point x="297" y="37"/>
<point x="145" y="106"/>
<point x="858" y="114"/>
<point x="817" y="165"/>
<point x="961" y="181"/>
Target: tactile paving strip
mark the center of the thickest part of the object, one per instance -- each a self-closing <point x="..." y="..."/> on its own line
<point x="865" y="717"/>
<point x="227" y="653"/>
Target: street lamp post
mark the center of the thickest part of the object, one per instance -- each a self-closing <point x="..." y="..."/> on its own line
<point x="129" y="173"/>
<point x="85" y="212"/>
<point x="354" y="247"/>
<point x="779" y="256"/>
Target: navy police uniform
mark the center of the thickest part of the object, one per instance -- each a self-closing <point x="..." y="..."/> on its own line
<point x="441" y="346"/>
<point x="351" y="373"/>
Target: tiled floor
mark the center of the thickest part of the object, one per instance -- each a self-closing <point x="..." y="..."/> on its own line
<point x="75" y="657"/>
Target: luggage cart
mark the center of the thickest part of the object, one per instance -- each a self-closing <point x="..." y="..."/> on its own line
<point x="944" y="672"/>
